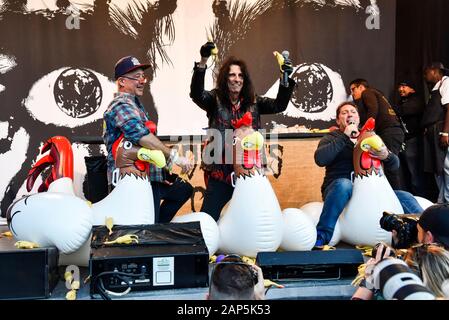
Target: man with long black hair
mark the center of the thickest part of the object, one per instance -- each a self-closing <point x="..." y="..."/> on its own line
<point x="230" y="100"/>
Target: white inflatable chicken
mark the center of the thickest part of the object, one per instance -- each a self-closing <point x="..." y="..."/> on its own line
<point x="252" y="222"/>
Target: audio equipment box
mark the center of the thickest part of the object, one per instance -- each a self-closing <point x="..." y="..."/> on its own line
<point x="327" y="264"/>
<point x="27" y="273"/>
<point x="167" y="256"/>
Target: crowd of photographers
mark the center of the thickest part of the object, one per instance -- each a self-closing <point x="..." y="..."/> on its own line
<point x="417" y="265"/>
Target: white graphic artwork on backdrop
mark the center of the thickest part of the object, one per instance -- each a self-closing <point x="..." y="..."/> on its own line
<point x="68" y="98"/>
<point x="319" y="91"/>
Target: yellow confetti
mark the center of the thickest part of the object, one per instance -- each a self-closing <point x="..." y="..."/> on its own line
<point x="75" y="285"/>
<point x="26" y="245"/>
<point x="268" y="283"/>
<point x="109" y="224"/>
<point x="126" y="239"/>
<point x="71" y="295"/>
<point x="6" y="234"/>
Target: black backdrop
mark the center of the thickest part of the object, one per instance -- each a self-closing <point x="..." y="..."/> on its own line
<point x="422" y="36"/>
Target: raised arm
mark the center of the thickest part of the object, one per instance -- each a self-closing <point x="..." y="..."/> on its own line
<point x="268" y="105"/>
<point x="204" y="99"/>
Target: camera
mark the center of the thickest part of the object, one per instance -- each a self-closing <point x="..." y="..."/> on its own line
<point x="397" y="281"/>
<point x="405" y="226"/>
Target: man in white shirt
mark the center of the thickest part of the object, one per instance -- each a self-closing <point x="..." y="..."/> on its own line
<point x="436" y="128"/>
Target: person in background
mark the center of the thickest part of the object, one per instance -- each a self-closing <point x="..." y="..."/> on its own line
<point x="410" y="109"/>
<point x="372" y="103"/>
<point x="435" y="122"/>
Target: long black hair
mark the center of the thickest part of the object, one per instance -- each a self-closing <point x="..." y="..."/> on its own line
<point x="247" y="94"/>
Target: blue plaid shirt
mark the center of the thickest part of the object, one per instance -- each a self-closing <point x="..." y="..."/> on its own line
<point x="125" y="114"/>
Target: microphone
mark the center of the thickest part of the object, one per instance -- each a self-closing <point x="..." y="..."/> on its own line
<point x="285" y="54"/>
<point x="353" y="132"/>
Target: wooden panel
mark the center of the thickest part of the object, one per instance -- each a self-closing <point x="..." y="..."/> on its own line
<point x="294" y="176"/>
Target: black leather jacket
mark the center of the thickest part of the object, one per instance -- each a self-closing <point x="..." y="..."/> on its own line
<point x="220" y="115"/>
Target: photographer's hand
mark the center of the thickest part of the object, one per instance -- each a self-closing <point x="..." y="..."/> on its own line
<point x="383" y="251"/>
<point x="394" y="238"/>
<point x="259" y="288"/>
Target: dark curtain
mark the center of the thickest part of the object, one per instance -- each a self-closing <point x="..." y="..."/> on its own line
<point x="422" y="36"/>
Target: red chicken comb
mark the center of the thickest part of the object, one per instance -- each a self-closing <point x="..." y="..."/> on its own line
<point x="370" y="124"/>
<point x="246" y="120"/>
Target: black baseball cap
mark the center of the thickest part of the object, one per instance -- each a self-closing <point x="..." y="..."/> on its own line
<point x="436" y="220"/>
<point x="128" y="64"/>
<point x="407" y="83"/>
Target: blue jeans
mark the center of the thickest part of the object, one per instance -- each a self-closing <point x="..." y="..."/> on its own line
<point x="408" y="202"/>
<point x="337" y="195"/>
<point x="443" y="182"/>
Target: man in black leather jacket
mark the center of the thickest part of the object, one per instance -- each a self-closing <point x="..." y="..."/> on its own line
<point x="230" y="100"/>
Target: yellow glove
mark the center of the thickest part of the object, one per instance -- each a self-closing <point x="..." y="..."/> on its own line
<point x="155" y="157"/>
<point x="127" y="239"/>
<point x="26" y="245"/>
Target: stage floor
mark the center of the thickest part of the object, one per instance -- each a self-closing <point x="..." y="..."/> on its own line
<point x="301" y="289"/>
<point x="323" y="289"/>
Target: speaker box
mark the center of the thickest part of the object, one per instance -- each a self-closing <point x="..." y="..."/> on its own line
<point x="167" y="256"/>
<point x="310" y="264"/>
<point x="27" y="273"/>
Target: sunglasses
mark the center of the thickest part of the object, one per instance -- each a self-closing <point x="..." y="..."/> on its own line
<point x="140" y="78"/>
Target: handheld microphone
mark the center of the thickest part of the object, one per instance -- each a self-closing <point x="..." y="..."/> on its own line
<point x="353" y="132"/>
<point x="286" y="55"/>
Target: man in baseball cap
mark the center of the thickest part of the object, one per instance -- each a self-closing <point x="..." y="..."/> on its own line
<point x="126" y="115"/>
<point x="433" y="225"/>
<point x="128" y="64"/>
<point x="409" y="110"/>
